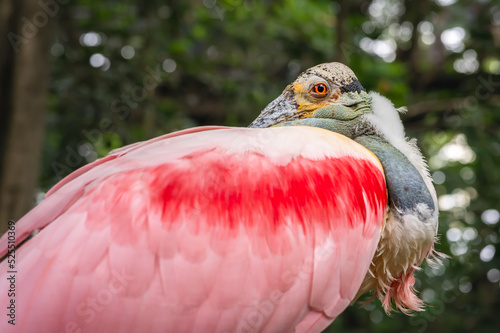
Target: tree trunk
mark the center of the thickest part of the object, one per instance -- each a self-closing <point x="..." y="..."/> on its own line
<point x="340" y="46"/>
<point x="24" y="70"/>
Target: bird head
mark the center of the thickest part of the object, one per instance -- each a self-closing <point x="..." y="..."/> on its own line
<point x="329" y="96"/>
<point x="318" y="87"/>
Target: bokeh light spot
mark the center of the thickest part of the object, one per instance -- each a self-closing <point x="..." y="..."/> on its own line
<point x="439" y="177"/>
<point x="487" y="253"/>
<point x="57" y="50"/>
<point x="453" y="39"/>
<point x="465" y="286"/>
<point x="490" y="216"/>
<point x="453" y="234"/>
<point x="444" y="3"/>
<point x="127" y="52"/>
<point x="428" y="295"/>
<point x="169" y="65"/>
<point x="97" y="60"/>
<point x="376" y="316"/>
<point x="469" y="234"/>
<point x="90" y="39"/>
<point x="493" y="275"/>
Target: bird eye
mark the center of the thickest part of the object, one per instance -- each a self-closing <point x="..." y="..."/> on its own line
<point x="319" y="90"/>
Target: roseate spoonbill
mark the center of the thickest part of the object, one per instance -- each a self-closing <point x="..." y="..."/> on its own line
<point x="273" y="228"/>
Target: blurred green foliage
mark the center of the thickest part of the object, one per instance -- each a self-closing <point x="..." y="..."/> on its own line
<point x="124" y="71"/>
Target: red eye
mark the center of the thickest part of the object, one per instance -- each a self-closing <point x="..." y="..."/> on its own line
<point x="320" y="89"/>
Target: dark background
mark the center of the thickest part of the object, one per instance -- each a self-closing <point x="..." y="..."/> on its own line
<point x="79" y="78"/>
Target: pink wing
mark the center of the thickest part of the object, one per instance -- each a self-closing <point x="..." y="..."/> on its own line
<point x="209" y="230"/>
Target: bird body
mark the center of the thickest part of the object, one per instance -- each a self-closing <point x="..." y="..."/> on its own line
<point x="214" y="230"/>
<point x="273" y="228"/>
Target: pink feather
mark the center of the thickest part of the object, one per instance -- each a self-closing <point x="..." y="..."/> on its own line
<point x="205" y="230"/>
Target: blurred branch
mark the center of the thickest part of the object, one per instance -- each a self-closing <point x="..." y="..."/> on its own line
<point x="429" y="106"/>
<point x="341" y="34"/>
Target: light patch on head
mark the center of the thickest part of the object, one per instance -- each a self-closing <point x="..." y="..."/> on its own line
<point x="336" y="73"/>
